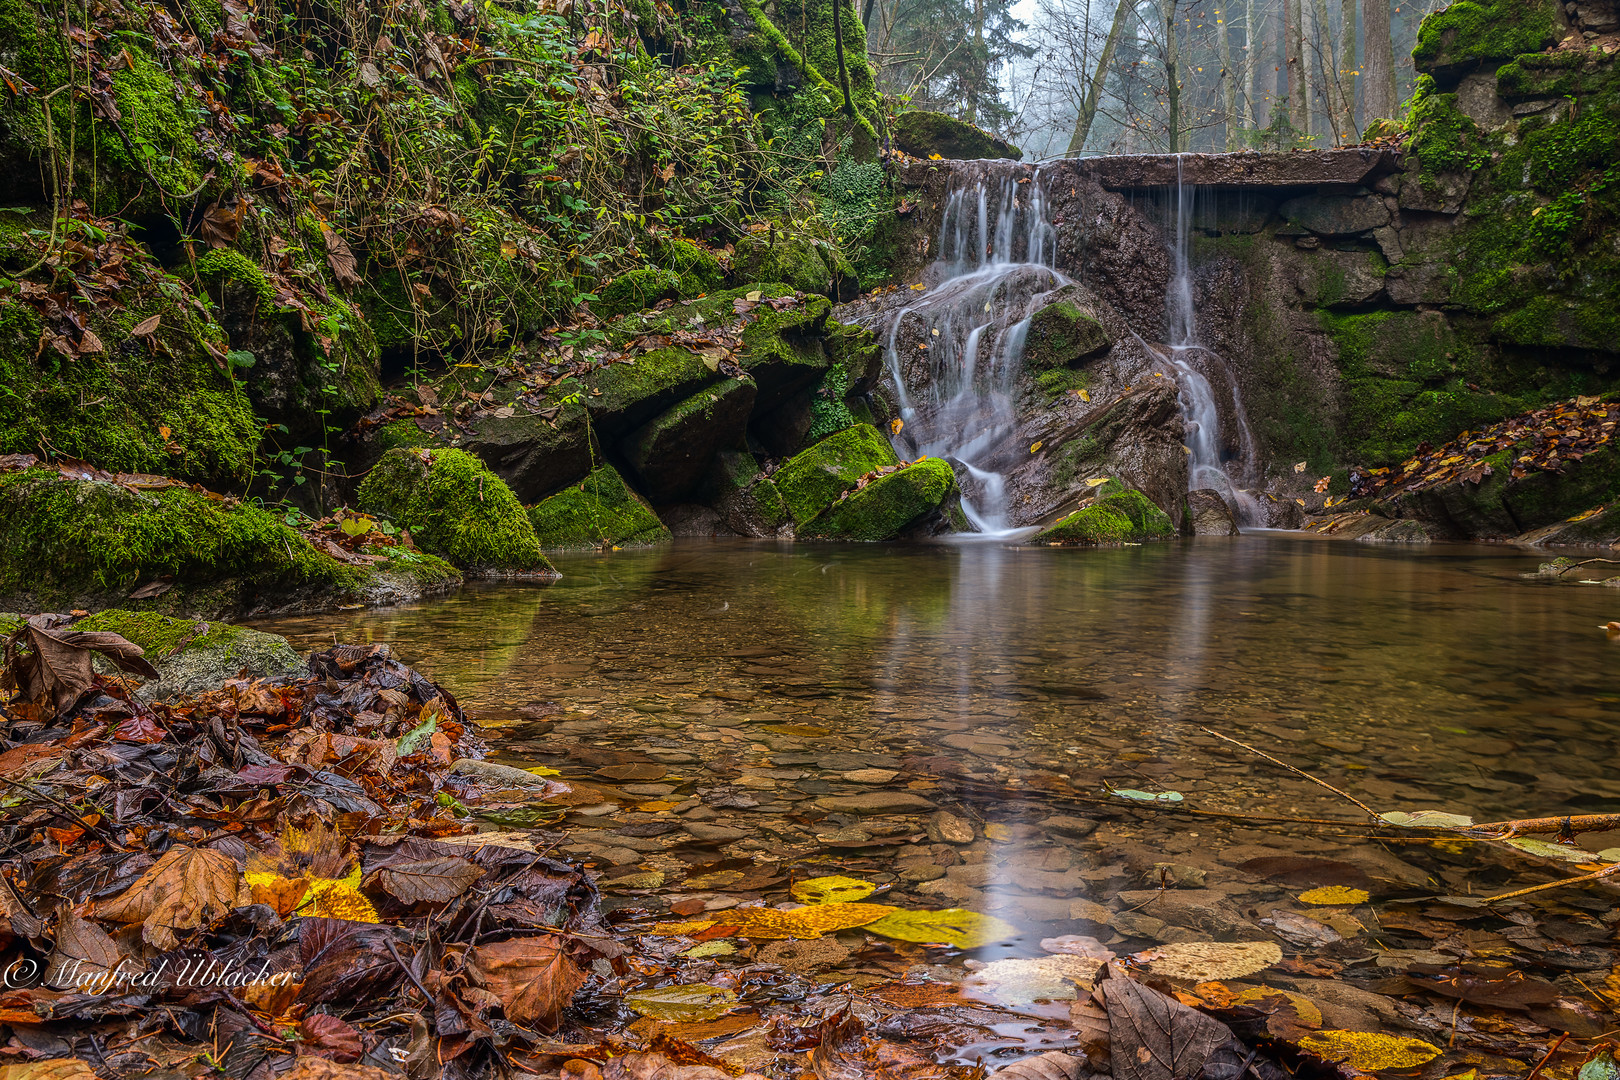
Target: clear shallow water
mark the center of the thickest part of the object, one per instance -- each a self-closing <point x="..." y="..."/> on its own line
<point x="1429" y="678"/>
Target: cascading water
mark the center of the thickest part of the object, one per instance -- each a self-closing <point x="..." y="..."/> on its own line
<point x="1206" y="464"/>
<point x="996" y="247"/>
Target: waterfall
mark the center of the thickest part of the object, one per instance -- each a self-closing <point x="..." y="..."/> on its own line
<point x="1199" y="408"/>
<point x="993" y="264"/>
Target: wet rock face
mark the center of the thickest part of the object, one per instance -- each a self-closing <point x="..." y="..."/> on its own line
<point x="1208" y="515"/>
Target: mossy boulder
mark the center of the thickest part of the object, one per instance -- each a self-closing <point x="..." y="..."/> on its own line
<point x="1062" y="335"/>
<point x="455" y="508"/>
<point x="1468" y="34"/>
<point x="68" y="542"/>
<point x="810" y="481"/>
<point x="746" y="501"/>
<point x="1118" y="515"/>
<point x="698" y="269"/>
<point x="888" y="506"/>
<point x="533" y="452"/>
<point x="807" y="264"/>
<point x="158" y="403"/>
<point x="599" y="510"/>
<point x="192" y="655"/>
<point x="921" y="133"/>
<point x="671" y="452"/>
<point x="636" y="290"/>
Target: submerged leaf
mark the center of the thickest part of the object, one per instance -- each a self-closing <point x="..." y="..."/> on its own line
<point x="1334" y="894"/>
<point x="1203" y="961"/>
<point x="1427" y="819"/>
<point x="682" y="1004"/>
<point x="806" y="922"/>
<point x="949" y="926"/>
<point x="834" y="889"/>
<point x="1020" y="981"/>
<point x="1146" y="796"/>
<point x="1369" y="1052"/>
<point x="1552" y="851"/>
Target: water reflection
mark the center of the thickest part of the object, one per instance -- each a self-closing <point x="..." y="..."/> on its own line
<point x="1436" y="676"/>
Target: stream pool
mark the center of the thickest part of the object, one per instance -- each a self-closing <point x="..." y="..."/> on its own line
<point x="949" y="724"/>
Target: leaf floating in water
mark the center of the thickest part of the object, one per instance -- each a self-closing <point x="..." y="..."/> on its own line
<point x="1334" y="894"/>
<point x="679" y="929"/>
<point x="949" y="926"/>
<point x="1204" y="961"/>
<point x="834" y="889"/>
<point x="1021" y="982"/>
<point x="710" y="948"/>
<point x="1367" y="1052"/>
<point x="682" y="1004"/>
<point x="1427" y="819"/>
<point x="1552" y="851"/>
<point x="769" y="924"/>
<point x="1146" y="796"/>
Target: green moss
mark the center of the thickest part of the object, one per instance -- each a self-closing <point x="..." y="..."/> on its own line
<point x="1444" y="139"/>
<point x="111" y="408"/>
<point x="829" y="410"/>
<point x="923" y="134"/>
<point x="1060" y="381"/>
<point x="812" y="479"/>
<point x="1117" y="515"/>
<point x="888" y="506"/>
<point x="455" y="508"/>
<point x="599" y="510"/>
<point x="795" y="260"/>
<point x="402" y="434"/>
<point x="1565" y="73"/>
<point x="1467" y="33"/>
<point x="1062" y="334"/>
<point x="159" y="634"/>
<point x="65" y="540"/>
<point x="636" y="290"/>
<point x="229" y="265"/>
<point x="699" y="271"/>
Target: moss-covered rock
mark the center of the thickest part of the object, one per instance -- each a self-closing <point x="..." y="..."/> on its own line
<point x="698" y="269"/>
<point x="806" y="264"/>
<point x="193" y="656"/>
<point x="1123" y="515"/>
<point x="888" y="506"/>
<point x="811" y="480"/>
<point x="67" y="542"/>
<point x="599" y="510"/>
<point x="636" y="290"/>
<point x="923" y="134"/>
<point x="672" y="451"/>
<point x="1467" y="34"/>
<point x="455" y="508"/>
<point x="1063" y="334"/>
<point x="156" y="404"/>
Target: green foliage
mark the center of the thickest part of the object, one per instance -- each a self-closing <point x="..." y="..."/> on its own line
<point x="828" y="407"/>
<point x="1060" y="381"/>
<point x="455" y="508"/>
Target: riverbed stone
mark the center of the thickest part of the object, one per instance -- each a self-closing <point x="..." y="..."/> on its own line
<point x="875" y="802"/>
<point x="714" y="834"/>
<point x="1066" y="825"/>
<point x="945" y="827"/>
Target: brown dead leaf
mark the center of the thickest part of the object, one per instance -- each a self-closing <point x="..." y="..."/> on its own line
<point x="535" y="977"/>
<point x="53" y="1069"/>
<point x="57" y="663"/>
<point x="430" y="881"/>
<point x="146" y="326"/>
<point x="340" y="258"/>
<point x="183" y="890"/>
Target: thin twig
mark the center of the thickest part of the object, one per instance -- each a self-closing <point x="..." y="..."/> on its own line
<point x="1606" y="872"/>
<point x="1276" y="761"/>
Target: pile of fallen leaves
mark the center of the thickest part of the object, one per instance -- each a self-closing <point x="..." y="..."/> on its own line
<point x="1544" y="440"/>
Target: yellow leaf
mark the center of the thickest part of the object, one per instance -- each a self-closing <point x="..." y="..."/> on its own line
<point x="679" y="929"/>
<point x="895" y="426"/>
<point x="1035" y="446"/>
<point x="753" y="296"/>
<point x="508" y="249"/>
<point x="1594" y="512"/>
<point x="918" y="287"/>
<point x="163" y="433"/>
<point x="1303" y="1006"/>
<point x="1368" y="1052"/>
<point x="1334" y="894"/>
<point x="1300" y="466"/>
<point x="682" y="1004"/>
<point x="1098" y="481"/>
<point x="935" y="157"/>
<point x="951" y="926"/>
<point x="824" y="890"/>
<point x="1084" y="394"/>
<point x="769" y="924"/>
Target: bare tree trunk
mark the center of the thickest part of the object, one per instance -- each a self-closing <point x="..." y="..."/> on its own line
<point x="1307" y="60"/>
<point x="866" y="14"/>
<point x="1251" y="62"/>
<point x="1378" y="95"/>
<point x="1295" y="69"/>
<point x="843" y="69"/>
<point x="1088" y="107"/>
<point x="1332" y="86"/>
<point x="1229" y="118"/>
<point x="1347" y="67"/>
<point x="1172" y="75"/>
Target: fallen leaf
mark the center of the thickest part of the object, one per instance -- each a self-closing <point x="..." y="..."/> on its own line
<point x="430" y="881"/>
<point x="145" y="327"/>
<point x="535" y="977"/>
<point x="57" y="664"/>
<point x="1367" y="1051"/>
<point x="823" y="890"/>
<point x="1335" y="894"/>
<point x="683" y="1004"/>
<point x="949" y="926"/>
<point x="183" y="890"/>
<point x="1205" y="961"/>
